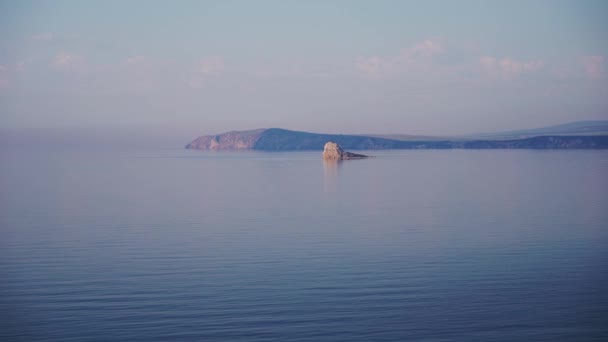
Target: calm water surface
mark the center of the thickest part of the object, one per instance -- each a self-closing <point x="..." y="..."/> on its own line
<point x="144" y="245"/>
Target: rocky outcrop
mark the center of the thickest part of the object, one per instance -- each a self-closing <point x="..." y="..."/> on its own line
<point x="333" y="151"/>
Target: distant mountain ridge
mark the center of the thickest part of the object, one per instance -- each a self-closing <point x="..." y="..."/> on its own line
<point x="568" y="136"/>
<point x="597" y="127"/>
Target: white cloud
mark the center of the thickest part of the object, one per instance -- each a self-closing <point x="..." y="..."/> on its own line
<point x="418" y="55"/>
<point x="423" y="50"/>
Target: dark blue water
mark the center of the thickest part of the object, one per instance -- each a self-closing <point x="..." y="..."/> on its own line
<point x="145" y="245"/>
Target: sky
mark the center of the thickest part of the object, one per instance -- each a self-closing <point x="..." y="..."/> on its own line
<point x="166" y="72"/>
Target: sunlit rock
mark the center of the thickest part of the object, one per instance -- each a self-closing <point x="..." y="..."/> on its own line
<point x="333" y="151"/>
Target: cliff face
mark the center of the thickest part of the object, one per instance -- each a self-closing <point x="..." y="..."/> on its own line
<point x="244" y="140"/>
<point x="275" y="139"/>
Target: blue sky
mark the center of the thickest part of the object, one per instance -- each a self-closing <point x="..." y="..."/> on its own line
<point x="180" y="69"/>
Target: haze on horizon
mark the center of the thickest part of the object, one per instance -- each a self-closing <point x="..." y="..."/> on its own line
<point x="172" y="71"/>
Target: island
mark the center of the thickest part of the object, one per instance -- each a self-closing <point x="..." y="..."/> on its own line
<point x="578" y="135"/>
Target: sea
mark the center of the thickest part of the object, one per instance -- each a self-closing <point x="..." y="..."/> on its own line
<point x="152" y="244"/>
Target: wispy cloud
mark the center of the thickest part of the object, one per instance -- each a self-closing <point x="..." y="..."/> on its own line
<point x="207" y="66"/>
<point x="43" y="36"/>
<point x="67" y="62"/>
<point x="211" y="65"/>
<point x="21" y="66"/>
<point x="373" y="65"/>
<point x="594" y="66"/>
<point x="135" y="60"/>
<point x="419" y="54"/>
<point x="3" y="77"/>
<point x="507" y="67"/>
<point x="423" y="50"/>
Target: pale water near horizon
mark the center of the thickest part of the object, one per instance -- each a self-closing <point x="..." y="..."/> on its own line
<point x="153" y="244"/>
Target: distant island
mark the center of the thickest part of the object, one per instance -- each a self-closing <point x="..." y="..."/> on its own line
<point x="576" y="135"/>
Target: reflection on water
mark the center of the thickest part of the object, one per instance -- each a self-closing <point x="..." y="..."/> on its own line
<point x="332" y="170"/>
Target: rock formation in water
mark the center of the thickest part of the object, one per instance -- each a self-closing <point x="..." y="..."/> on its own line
<point x="333" y="151"/>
